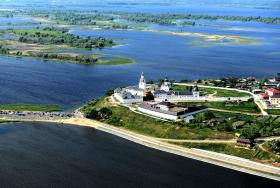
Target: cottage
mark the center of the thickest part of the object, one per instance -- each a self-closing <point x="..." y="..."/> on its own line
<point x="245" y="142"/>
<point x="272" y="92"/>
<point x="215" y="121"/>
<point x="274" y="96"/>
<point x="263" y="96"/>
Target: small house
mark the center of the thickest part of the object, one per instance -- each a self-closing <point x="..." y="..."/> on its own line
<point x="245" y="142"/>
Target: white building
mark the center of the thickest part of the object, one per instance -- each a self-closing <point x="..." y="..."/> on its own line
<point x="270" y="99"/>
<point x="131" y="94"/>
<point x="169" y="111"/>
<point x="166" y="93"/>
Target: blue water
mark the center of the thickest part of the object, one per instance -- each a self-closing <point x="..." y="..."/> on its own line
<point x="16" y="20"/>
<point x="49" y="155"/>
<point x="54" y="155"/>
<point x="233" y="7"/>
<point x="158" y="55"/>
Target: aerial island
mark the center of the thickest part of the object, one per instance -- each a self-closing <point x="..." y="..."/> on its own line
<point x="238" y="117"/>
<point x="50" y="43"/>
<point x="229" y="121"/>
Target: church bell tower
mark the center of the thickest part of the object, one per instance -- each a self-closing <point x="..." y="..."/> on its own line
<point x="142" y="82"/>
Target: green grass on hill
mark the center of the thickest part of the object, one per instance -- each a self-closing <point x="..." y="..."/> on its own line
<point x="31" y="107"/>
<point x="250" y="107"/>
<point x="215" y="92"/>
<point x="273" y="111"/>
<point x="229" y="149"/>
<point x="123" y="117"/>
<point x="232" y="149"/>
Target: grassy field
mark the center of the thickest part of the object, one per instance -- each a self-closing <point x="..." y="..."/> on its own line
<point x="116" y="61"/>
<point x="31" y="107"/>
<point x="229" y="149"/>
<point x="232" y="149"/>
<point x="273" y="112"/>
<point x="214" y="92"/>
<point x="250" y="107"/>
<point x="123" y="117"/>
<point x="149" y="126"/>
<point x="34" y="31"/>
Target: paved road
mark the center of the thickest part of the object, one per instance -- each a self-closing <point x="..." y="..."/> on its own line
<point x="269" y="138"/>
<point x="216" y="141"/>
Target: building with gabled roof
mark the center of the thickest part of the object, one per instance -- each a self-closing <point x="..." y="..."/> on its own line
<point x="167" y="110"/>
<point x="166" y="93"/>
<point x="131" y="94"/>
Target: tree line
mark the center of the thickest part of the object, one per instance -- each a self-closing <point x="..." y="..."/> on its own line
<point x="78" y="58"/>
<point x="169" y="19"/>
<point x="61" y="37"/>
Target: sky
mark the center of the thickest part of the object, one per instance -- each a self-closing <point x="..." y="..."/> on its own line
<point x="260" y="4"/>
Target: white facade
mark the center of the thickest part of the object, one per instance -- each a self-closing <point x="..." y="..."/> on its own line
<point x="166" y="86"/>
<point x="131" y="94"/>
<point x="158" y="114"/>
<point x="134" y="90"/>
<point x="128" y="100"/>
<point x="167" y="116"/>
<point x="166" y="93"/>
<point x="142" y="82"/>
<point x="178" y="98"/>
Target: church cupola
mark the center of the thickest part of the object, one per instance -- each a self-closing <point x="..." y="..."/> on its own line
<point x="142" y="82"/>
<point x="166" y="85"/>
<point x="195" y="91"/>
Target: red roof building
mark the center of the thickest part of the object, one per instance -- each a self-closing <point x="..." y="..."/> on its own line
<point x="272" y="92"/>
<point x="263" y="95"/>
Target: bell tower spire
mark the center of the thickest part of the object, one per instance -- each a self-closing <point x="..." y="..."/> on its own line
<point x="142" y="82"/>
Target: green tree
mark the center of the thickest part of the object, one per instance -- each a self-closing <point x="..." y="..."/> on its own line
<point x="250" y="133"/>
<point x="159" y="82"/>
<point x="209" y="115"/>
<point x="93" y="114"/>
<point x="105" y="113"/>
<point x="274" y="146"/>
<point x="199" y="118"/>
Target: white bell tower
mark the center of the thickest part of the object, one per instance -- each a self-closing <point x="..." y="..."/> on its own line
<point x="142" y="82"/>
<point x="166" y="86"/>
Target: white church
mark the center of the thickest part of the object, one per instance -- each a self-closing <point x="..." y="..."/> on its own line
<point x="135" y="94"/>
<point x="166" y="93"/>
<point x="132" y="94"/>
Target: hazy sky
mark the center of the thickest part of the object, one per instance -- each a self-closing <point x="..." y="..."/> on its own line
<point x="274" y="4"/>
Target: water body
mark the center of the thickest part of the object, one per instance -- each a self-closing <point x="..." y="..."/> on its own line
<point x="157" y="54"/>
<point x="235" y="7"/>
<point x="55" y="155"/>
<point x="26" y="80"/>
